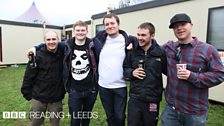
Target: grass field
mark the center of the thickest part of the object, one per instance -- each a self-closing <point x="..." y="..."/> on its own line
<point x="11" y="100"/>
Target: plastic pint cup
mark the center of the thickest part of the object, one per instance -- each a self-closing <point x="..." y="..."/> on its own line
<point x="181" y="66"/>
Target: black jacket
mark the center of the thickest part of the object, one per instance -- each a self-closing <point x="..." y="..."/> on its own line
<point x="44" y="83"/>
<point x="67" y="62"/>
<point x="150" y="88"/>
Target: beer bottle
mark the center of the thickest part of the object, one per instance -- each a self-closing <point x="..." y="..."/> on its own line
<point x="32" y="60"/>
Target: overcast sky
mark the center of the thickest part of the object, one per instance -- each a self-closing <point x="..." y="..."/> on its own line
<point x="58" y="12"/>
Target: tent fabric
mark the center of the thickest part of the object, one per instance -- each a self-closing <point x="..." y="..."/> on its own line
<point x="32" y="15"/>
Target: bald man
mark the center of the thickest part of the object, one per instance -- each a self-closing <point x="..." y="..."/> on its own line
<point x="43" y="84"/>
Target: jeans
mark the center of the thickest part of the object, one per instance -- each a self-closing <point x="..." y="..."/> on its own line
<point x="39" y="110"/>
<point x="80" y="106"/>
<point x="172" y="117"/>
<point x="114" y="102"/>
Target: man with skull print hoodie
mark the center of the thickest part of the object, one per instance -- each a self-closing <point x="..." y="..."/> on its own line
<point x="79" y="75"/>
<point x="79" y="58"/>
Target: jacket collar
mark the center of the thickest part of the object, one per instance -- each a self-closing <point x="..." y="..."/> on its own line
<point x="153" y="50"/>
<point x="193" y="43"/>
<point x="102" y="35"/>
<point x="153" y="45"/>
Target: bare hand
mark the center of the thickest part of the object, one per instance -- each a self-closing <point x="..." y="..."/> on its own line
<point x="139" y="73"/>
<point x="33" y="49"/>
<point x="130" y="46"/>
<point x="183" y="74"/>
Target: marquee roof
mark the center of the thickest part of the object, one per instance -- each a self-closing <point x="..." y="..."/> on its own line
<point x="32" y="15"/>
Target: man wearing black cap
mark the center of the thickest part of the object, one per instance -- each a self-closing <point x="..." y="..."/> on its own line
<point x="187" y="87"/>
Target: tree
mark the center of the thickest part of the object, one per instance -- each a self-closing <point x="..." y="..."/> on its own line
<point x="126" y="3"/>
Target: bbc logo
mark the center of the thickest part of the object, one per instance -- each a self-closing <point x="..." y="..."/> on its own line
<point x="14" y="115"/>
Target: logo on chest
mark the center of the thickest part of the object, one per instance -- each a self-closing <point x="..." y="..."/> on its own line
<point x="80" y="65"/>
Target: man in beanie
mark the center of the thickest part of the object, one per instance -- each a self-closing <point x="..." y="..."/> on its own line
<point x="187" y="87"/>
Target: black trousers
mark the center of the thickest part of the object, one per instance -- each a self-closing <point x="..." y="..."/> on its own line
<point x="142" y="113"/>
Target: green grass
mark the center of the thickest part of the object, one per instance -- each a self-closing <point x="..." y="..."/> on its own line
<point x="11" y="100"/>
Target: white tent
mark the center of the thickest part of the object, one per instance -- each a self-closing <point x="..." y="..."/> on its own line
<point x="32" y="15"/>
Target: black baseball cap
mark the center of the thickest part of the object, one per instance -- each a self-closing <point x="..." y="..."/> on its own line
<point x="182" y="17"/>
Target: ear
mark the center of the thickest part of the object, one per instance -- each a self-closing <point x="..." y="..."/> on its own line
<point x="152" y="36"/>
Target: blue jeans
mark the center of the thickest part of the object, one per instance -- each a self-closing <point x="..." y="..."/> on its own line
<point x="80" y="106"/>
<point x="114" y="102"/>
<point x="172" y="117"/>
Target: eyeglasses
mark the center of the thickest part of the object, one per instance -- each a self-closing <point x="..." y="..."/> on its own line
<point x="49" y="39"/>
<point x="178" y="54"/>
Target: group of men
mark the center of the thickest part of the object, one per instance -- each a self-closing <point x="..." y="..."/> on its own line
<point x="83" y="67"/>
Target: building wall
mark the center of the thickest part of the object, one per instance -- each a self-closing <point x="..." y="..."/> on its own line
<point x="17" y="39"/>
<point x="160" y="17"/>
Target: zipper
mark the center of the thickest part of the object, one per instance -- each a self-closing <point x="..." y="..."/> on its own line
<point x="91" y="67"/>
<point x="69" y="68"/>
